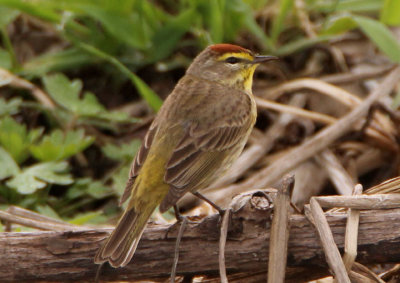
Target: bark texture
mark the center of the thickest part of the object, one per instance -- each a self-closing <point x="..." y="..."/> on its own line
<point x="68" y="256"/>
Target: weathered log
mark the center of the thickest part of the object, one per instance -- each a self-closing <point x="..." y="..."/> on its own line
<point x="68" y="256"/>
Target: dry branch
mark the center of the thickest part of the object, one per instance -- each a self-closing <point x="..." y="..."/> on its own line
<point x="280" y="232"/>
<point x="68" y="256"/>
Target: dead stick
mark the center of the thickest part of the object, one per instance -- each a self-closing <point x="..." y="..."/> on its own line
<point x="222" y="242"/>
<point x="337" y="174"/>
<point x="351" y="236"/>
<point x="280" y="232"/>
<point x="176" y="254"/>
<point x="378" y="201"/>
<point x="52" y="226"/>
<point x="328" y="243"/>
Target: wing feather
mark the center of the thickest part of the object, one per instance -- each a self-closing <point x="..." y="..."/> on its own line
<point x="138" y="161"/>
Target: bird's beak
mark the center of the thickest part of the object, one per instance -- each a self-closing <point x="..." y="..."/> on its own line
<point x="263" y="58"/>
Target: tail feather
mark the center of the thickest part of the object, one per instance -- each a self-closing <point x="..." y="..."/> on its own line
<point x="121" y="245"/>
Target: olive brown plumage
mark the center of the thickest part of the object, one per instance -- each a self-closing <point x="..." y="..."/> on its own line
<point x="198" y="133"/>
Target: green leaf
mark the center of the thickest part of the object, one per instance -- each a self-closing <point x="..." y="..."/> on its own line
<point x="8" y="167"/>
<point x="216" y="19"/>
<point x="119" y="179"/>
<point x="390" y="13"/>
<point x="124" y="152"/>
<point x="277" y="25"/>
<point x="127" y="28"/>
<point x="338" y="24"/>
<point x="98" y="190"/>
<point x="15" y="138"/>
<point x="167" y="37"/>
<point x="66" y="93"/>
<point x="58" y="146"/>
<point x="358" y="5"/>
<point x="7" y="15"/>
<point x="10" y="107"/>
<point x="5" y="59"/>
<point x="300" y="44"/>
<point x="88" y="187"/>
<point x="47" y="211"/>
<point x="78" y="189"/>
<point x="39" y="175"/>
<point x="144" y="90"/>
<point x="69" y="59"/>
<point x="89" y="218"/>
<point x="347" y="6"/>
<point x="381" y="36"/>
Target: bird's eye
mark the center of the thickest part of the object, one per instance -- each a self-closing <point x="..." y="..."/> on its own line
<point x="232" y="60"/>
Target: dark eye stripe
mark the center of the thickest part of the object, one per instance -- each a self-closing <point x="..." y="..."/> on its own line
<point x="232" y="60"/>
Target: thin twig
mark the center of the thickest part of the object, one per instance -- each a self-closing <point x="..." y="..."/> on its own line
<point x="358" y="267"/>
<point x="39" y="94"/>
<point x="314" y="116"/>
<point x="222" y="242"/>
<point x="389" y="186"/>
<point x="376" y="201"/>
<point x="337" y="174"/>
<point x="41" y="225"/>
<point x="328" y="243"/>
<point x="176" y="254"/>
<point x="351" y="236"/>
<point x="322" y="87"/>
<point x="278" y="242"/>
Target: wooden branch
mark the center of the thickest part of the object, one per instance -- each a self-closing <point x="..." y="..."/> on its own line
<point x="280" y="232"/>
<point x="326" y="236"/>
<point x="68" y="256"/>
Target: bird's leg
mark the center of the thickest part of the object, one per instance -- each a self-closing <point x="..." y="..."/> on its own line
<point x="200" y="196"/>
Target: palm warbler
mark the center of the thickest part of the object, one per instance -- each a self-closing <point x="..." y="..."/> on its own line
<point x="198" y="133"/>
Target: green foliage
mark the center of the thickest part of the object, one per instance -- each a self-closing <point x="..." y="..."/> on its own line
<point x="16" y="139"/>
<point x="7" y="164"/>
<point x="66" y="93"/>
<point x="376" y="31"/>
<point x="11" y="107"/>
<point x="381" y="36"/>
<point x="46" y="210"/>
<point x="59" y="146"/>
<point x="390" y="13"/>
<point x="5" y="59"/>
<point x="39" y="175"/>
<point x="124" y="152"/>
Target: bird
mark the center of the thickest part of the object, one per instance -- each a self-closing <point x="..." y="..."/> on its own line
<point x="199" y="131"/>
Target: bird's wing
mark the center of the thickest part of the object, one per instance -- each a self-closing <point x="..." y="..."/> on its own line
<point x="138" y="161"/>
<point x="196" y="162"/>
<point x="205" y="148"/>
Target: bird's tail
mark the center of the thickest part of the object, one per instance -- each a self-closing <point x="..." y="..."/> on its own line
<point x="119" y="248"/>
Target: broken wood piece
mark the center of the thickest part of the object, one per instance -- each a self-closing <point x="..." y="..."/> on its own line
<point x="222" y="243"/>
<point x="280" y="232"/>
<point x="332" y="254"/>
<point x="350" y="242"/>
<point x="377" y="201"/>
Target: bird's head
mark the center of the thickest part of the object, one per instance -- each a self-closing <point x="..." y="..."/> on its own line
<point x="227" y="64"/>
